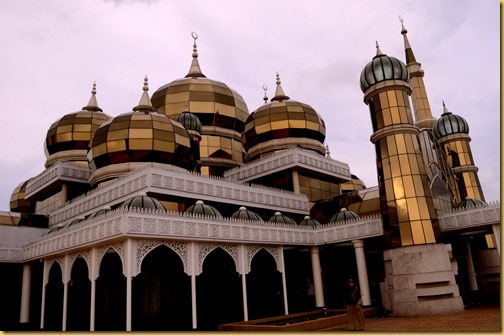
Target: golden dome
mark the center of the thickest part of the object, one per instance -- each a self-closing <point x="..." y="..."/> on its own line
<point x="221" y="110"/>
<point x="68" y="138"/>
<point x="140" y="136"/>
<point x="283" y="124"/>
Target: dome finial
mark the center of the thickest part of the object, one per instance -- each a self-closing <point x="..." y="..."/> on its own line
<point x="195" y="70"/>
<point x="279" y="93"/>
<point x="145" y="104"/>
<point x="93" y="103"/>
<point x="378" y="51"/>
<point x="265" y="88"/>
<point x="445" y="110"/>
<point x="328" y="152"/>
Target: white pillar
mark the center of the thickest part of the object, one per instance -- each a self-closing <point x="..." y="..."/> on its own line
<point x="65" y="271"/>
<point x="64" y="194"/>
<point x="362" y="271"/>
<point x="128" y="283"/>
<point x="92" y="278"/>
<point x="317" y="276"/>
<point x="24" y="315"/>
<point x="284" y="284"/>
<point x="42" y="308"/>
<point x="295" y="182"/>
<point x="93" y="302"/>
<point x="65" y="304"/>
<point x="471" y="274"/>
<point x="193" y="267"/>
<point x="244" y="281"/>
<point x="496" y="234"/>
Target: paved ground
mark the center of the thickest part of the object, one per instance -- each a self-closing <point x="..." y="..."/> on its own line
<point x="474" y="319"/>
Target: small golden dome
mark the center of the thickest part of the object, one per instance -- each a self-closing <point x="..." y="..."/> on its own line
<point x="18" y="202"/>
<point x="68" y="138"/>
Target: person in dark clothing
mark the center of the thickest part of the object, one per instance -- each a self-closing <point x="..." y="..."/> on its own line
<point x="353" y="305"/>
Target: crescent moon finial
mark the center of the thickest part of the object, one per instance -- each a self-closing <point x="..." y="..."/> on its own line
<point x="194" y="35"/>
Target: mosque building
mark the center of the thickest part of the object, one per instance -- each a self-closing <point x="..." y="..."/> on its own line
<point x="190" y="211"/>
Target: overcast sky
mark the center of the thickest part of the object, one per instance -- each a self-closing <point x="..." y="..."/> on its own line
<point x="53" y="51"/>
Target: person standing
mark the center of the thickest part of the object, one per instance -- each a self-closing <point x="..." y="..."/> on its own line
<point x="353" y="305"/>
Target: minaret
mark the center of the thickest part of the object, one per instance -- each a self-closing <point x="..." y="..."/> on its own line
<point x="441" y="184"/>
<point x="452" y="134"/>
<point x="408" y="212"/>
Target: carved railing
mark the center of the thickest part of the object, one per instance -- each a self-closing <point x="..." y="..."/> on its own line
<point x="59" y="171"/>
<point x="158" y="179"/>
<point x="468" y="217"/>
<point x="287" y="159"/>
<point x="141" y="223"/>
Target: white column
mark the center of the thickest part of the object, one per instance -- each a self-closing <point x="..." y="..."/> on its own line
<point x="128" y="283"/>
<point x="64" y="194"/>
<point x="496" y="234"/>
<point x="471" y="274"/>
<point x="65" y="271"/>
<point x="362" y="271"/>
<point x="44" y="283"/>
<point x="65" y="304"/>
<point x="193" y="266"/>
<point x="24" y="315"/>
<point x="295" y="182"/>
<point x="244" y="280"/>
<point x="317" y="276"/>
<point x="92" y="278"/>
<point x="284" y="284"/>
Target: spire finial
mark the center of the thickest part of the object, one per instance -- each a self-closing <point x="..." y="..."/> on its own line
<point x="195" y="47"/>
<point x="195" y="70"/>
<point x="445" y="110"/>
<point x="279" y="93"/>
<point x="146" y="84"/>
<point x="93" y="103"/>
<point x="145" y="104"/>
<point x="404" y="31"/>
<point x="378" y="51"/>
<point x="328" y="152"/>
<point x="265" y="88"/>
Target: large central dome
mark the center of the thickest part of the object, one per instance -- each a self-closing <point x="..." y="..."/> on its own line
<point x="221" y="110"/>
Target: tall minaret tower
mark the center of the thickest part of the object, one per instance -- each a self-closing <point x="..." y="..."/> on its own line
<point x="441" y="184"/>
<point x="410" y="224"/>
<point x="407" y="207"/>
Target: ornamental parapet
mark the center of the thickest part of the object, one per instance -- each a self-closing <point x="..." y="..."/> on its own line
<point x="159" y="178"/>
<point x="294" y="157"/>
<point x="467" y="217"/>
<point x="138" y="223"/>
<point x="61" y="171"/>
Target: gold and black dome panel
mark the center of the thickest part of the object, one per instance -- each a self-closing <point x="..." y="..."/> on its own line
<point x="68" y="138"/>
<point x="449" y="124"/>
<point x="141" y="136"/>
<point x="283" y="124"/>
<point x="18" y="202"/>
<point x="381" y="68"/>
